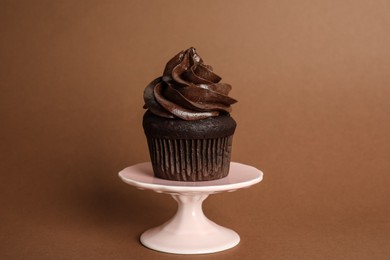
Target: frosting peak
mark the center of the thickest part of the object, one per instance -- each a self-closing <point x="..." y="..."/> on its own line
<point x="188" y="89"/>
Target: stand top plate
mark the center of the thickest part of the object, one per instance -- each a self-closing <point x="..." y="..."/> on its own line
<point x="240" y="176"/>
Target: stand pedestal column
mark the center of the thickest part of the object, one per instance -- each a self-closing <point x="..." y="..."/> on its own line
<point x="190" y="231"/>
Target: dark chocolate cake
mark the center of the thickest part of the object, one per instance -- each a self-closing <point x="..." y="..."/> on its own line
<point x="188" y="124"/>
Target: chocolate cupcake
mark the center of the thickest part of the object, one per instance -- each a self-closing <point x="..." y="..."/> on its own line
<point x="188" y="124"/>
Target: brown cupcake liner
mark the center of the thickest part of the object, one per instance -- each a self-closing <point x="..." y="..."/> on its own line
<point x="190" y="159"/>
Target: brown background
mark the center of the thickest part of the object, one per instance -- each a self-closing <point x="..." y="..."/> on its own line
<point x="313" y="83"/>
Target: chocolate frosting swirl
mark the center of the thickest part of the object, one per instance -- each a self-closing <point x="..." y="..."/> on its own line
<point x="188" y="89"/>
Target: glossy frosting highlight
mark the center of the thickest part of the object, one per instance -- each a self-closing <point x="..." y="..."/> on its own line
<point x="188" y="89"/>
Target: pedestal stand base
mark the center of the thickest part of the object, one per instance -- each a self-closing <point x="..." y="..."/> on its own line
<point x="190" y="231"/>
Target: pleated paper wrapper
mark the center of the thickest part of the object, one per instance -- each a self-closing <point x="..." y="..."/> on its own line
<point x="190" y="159"/>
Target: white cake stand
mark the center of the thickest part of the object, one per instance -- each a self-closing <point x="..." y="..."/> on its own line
<point x="190" y="231"/>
